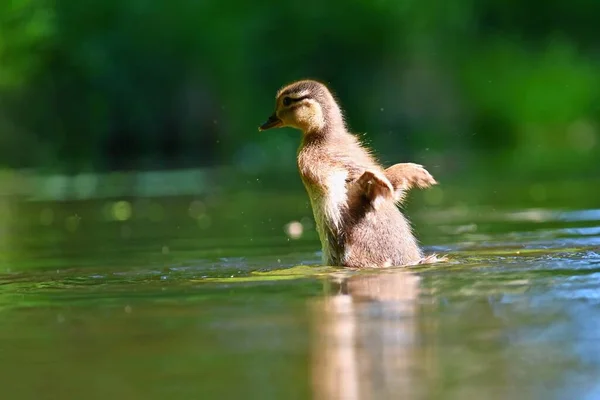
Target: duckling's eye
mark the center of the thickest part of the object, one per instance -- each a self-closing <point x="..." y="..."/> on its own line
<point x="287" y="101"/>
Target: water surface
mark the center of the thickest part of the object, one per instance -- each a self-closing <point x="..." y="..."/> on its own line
<point x="223" y="297"/>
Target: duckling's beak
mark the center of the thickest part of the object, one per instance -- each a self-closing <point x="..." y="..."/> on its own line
<point x="272" y="122"/>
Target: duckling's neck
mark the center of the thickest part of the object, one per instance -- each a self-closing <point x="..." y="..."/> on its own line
<point x="332" y="125"/>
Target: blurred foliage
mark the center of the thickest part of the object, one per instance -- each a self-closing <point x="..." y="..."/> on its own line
<point x="113" y="85"/>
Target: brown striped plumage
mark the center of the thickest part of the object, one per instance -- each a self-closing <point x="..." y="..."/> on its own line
<point x="354" y="199"/>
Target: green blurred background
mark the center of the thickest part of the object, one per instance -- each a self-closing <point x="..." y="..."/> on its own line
<point x="148" y="230"/>
<point x="467" y="88"/>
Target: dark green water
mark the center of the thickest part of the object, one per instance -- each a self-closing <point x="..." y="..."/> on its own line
<point x="210" y="298"/>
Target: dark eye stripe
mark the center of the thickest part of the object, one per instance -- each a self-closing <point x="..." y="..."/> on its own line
<point x="300" y="98"/>
<point x="288" y="101"/>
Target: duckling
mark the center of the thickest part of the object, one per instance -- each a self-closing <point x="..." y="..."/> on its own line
<point x="353" y="198"/>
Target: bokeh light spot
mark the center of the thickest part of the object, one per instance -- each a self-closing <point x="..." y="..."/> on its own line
<point x="294" y="230"/>
<point x="121" y="210"/>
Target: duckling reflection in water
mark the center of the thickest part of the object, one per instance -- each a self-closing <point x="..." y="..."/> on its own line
<point x="354" y="199"/>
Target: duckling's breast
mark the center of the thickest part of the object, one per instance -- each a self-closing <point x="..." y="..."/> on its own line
<point x="328" y="200"/>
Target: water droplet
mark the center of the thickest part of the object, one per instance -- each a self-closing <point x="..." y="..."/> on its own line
<point x="294" y="229"/>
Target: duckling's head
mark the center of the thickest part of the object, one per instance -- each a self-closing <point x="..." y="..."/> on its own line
<point x="306" y="105"/>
